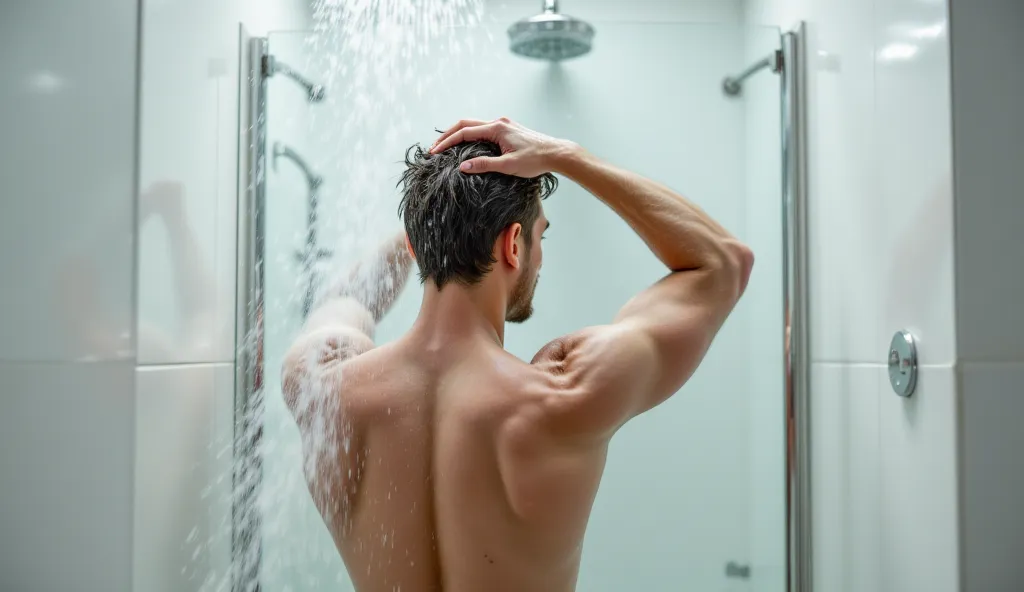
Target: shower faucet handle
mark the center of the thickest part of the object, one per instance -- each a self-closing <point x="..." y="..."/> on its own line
<point x="902" y="362"/>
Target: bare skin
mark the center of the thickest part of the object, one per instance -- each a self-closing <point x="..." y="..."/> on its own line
<point x="459" y="467"/>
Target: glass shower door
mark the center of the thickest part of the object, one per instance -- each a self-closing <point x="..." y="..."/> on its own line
<point x="693" y="495"/>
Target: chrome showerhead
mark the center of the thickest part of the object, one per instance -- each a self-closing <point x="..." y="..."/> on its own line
<point x="551" y="36"/>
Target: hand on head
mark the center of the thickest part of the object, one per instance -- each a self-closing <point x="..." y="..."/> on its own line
<point x="524" y="152"/>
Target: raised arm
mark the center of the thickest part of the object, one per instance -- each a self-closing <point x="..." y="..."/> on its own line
<point x="603" y="376"/>
<point x="342" y="324"/>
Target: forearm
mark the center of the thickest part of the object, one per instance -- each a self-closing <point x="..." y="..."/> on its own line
<point x="677" y="231"/>
<point x="377" y="281"/>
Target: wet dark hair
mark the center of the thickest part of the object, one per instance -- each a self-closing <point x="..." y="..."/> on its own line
<point x="453" y="218"/>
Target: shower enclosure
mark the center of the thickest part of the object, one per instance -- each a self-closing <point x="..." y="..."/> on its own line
<point x="707" y="492"/>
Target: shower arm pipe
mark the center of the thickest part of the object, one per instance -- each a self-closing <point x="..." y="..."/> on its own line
<point x="733" y="85"/>
<point x="550" y="6"/>
<point x="275" y="66"/>
<point x="272" y="66"/>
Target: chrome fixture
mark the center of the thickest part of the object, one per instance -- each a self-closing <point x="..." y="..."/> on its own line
<point x="903" y="363"/>
<point x="733" y="85"/>
<point x="551" y="35"/>
<point x="280" y="150"/>
<point x="311" y="254"/>
<point x="271" y="66"/>
<point x="790" y="62"/>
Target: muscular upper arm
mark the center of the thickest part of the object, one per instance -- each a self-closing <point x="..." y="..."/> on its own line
<point x="336" y="332"/>
<point x="604" y="376"/>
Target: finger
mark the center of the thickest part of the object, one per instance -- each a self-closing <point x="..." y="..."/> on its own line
<point x="463" y="123"/>
<point x="487" y="164"/>
<point x="452" y="132"/>
<point x="469" y="134"/>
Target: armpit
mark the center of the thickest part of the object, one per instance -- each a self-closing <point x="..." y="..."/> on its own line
<point x="554" y="352"/>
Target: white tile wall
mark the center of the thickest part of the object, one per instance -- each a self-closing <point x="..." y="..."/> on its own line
<point x="188" y="188"/>
<point x="845" y="458"/>
<point x="845" y="289"/>
<point x="66" y="448"/>
<point x="913" y="202"/>
<point x="67" y="166"/>
<point x="993" y="482"/>
<point x="918" y="448"/>
<point x="182" y="529"/>
<point x="67" y="249"/>
<point x="884" y="481"/>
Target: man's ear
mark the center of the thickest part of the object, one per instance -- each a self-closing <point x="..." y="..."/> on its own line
<point x="408" y="247"/>
<point x="510" y="245"/>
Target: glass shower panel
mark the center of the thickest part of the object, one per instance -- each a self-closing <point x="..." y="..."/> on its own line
<point x="762" y="307"/>
<point x="690" y="488"/>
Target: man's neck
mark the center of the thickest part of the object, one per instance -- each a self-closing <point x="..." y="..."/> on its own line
<point x="459" y="312"/>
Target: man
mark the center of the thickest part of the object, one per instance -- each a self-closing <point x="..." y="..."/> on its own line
<point x="459" y="467"/>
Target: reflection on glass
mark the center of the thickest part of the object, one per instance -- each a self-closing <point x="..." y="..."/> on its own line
<point x="80" y="284"/>
<point x="46" y="82"/>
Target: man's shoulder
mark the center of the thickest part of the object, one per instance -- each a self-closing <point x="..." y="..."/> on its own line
<point x="510" y="388"/>
<point x="371" y="370"/>
<point x="382" y="380"/>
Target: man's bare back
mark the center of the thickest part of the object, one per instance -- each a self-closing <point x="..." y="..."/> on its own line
<point x="453" y="465"/>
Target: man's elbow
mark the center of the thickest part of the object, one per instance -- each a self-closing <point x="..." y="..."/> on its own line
<point x="742" y="264"/>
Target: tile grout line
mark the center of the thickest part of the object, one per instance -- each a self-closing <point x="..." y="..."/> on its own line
<point x="174" y="365"/>
<point x="879" y="365"/>
<point x="79" y="362"/>
<point x="967" y="363"/>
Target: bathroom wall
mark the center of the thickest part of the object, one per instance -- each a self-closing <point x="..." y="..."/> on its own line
<point x="67" y="347"/>
<point x="988" y="91"/>
<point x="189" y="135"/>
<point x="884" y="470"/>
